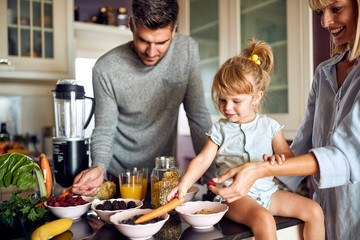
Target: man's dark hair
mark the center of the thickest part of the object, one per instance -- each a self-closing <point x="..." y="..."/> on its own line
<point x="155" y="14"/>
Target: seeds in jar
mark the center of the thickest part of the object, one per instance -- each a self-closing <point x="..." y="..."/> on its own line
<point x="160" y="189"/>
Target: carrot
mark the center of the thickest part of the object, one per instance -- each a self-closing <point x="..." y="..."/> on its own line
<point x="68" y="191"/>
<point x="45" y="168"/>
<point x="161" y="210"/>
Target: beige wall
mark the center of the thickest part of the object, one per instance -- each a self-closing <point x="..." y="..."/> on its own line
<point x="37" y="107"/>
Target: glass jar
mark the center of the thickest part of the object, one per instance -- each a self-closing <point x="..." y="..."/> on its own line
<point x="164" y="177"/>
<point x="122" y="18"/>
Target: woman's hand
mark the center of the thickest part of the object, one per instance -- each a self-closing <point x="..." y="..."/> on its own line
<point x="243" y="177"/>
<point x="279" y="158"/>
<point x="88" y="181"/>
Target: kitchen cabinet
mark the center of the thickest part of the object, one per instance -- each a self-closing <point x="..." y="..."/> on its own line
<point x="37" y="39"/>
<point x="221" y="27"/>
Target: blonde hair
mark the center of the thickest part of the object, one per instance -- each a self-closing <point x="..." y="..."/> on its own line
<point x="232" y="77"/>
<point x="355" y="52"/>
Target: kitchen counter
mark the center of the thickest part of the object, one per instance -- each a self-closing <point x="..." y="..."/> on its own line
<point x="226" y="229"/>
<point x="90" y="227"/>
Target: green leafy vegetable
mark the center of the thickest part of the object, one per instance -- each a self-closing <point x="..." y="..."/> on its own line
<point x="21" y="208"/>
<point x="16" y="169"/>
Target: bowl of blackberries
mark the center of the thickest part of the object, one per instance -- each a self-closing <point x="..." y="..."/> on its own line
<point x="105" y="208"/>
<point x="124" y="223"/>
<point x="69" y="206"/>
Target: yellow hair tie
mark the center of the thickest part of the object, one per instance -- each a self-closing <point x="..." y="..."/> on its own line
<point x="255" y="59"/>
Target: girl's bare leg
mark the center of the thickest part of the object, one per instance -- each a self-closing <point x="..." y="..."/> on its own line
<point x="248" y="212"/>
<point x="289" y="204"/>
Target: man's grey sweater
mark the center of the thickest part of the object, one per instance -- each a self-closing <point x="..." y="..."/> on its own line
<point x="137" y="106"/>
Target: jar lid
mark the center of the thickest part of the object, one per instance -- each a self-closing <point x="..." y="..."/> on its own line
<point x="122" y="10"/>
<point x="165" y="162"/>
<point x="65" y="87"/>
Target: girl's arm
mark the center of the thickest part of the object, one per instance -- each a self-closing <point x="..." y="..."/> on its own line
<point x="281" y="149"/>
<point x="195" y="170"/>
<point x="246" y="174"/>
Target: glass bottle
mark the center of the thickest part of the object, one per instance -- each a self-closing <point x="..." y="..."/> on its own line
<point x="164" y="177"/>
<point x="122" y="18"/>
<point x="4" y="135"/>
<point x="102" y="17"/>
<point x="111" y="18"/>
<point x="76" y="13"/>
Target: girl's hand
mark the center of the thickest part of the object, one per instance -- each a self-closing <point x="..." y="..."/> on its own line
<point x="243" y="177"/>
<point x="279" y="158"/>
<point x="177" y="192"/>
<point x="172" y="194"/>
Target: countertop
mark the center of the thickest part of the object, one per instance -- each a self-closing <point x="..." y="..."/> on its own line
<point x="90" y="227"/>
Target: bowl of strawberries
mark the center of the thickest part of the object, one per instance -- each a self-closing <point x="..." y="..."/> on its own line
<point x="69" y="206"/>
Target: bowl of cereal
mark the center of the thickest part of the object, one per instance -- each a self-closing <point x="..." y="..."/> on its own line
<point x="105" y="208"/>
<point x="124" y="223"/>
<point x="202" y="214"/>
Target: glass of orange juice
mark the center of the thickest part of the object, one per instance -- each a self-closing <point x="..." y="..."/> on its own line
<point x="130" y="184"/>
<point x="145" y="176"/>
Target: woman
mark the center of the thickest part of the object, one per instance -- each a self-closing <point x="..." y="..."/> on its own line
<point x="327" y="145"/>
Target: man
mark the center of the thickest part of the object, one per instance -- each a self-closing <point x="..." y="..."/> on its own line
<point x="138" y="88"/>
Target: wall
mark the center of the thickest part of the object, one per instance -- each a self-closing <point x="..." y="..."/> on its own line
<point x="36" y="105"/>
<point x="321" y="41"/>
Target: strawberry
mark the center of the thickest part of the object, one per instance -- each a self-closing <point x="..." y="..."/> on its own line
<point x="211" y="183"/>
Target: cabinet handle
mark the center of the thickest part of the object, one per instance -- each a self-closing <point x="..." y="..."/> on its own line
<point x="5" y="61"/>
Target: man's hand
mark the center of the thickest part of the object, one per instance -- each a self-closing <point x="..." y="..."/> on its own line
<point x="88" y="181"/>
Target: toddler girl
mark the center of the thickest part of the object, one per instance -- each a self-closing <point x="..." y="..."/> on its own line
<point x="244" y="135"/>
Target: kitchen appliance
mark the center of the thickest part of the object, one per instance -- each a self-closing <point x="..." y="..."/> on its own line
<point x="70" y="146"/>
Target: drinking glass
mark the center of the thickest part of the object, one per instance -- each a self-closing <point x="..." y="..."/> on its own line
<point x="145" y="176"/>
<point x="130" y="184"/>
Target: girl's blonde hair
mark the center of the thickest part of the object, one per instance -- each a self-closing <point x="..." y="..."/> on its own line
<point x="232" y="77"/>
<point x="355" y="52"/>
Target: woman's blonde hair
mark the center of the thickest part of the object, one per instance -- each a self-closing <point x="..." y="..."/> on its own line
<point x="232" y="77"/>
<point x="355" y="52"/>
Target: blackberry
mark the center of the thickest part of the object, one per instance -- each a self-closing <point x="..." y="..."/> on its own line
<point x="131" y="204"/>
<point x="122" y="205"/>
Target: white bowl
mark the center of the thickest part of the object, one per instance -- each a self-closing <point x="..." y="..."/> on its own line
<point x="105" y="214"/>
<point x="73" y="212"/>
<point x="137" y="231"/>
<point x="201" y="221"/>
<point x="191" y="192"/>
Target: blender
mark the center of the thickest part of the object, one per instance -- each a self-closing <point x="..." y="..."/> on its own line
<point x="70" y="146"/>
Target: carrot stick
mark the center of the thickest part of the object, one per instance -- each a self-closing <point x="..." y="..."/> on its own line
<point x="160" y="210"/>
<point x="45" y="168"/>
<point x="68" y="191"/>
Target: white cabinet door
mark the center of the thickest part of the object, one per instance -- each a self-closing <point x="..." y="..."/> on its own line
<point x="221" y="28"/>
<point x="37" y="39"/>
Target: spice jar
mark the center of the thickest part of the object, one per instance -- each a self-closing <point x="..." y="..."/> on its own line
<point x="122" y="18"/>
<point x="164" y="177"/>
